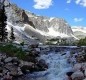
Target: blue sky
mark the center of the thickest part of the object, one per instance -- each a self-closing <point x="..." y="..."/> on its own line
<point x="73" y="11"/>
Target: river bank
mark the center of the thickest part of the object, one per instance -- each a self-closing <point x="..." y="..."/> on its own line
<point x="43" y="63"/>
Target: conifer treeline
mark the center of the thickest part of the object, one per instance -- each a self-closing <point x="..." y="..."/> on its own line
<point x="3" y="23"/>
<point x="3" y="19"/>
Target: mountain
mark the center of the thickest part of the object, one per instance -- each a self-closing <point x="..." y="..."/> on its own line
<point x="79" y="31"/>
<point x="34" y="28"/>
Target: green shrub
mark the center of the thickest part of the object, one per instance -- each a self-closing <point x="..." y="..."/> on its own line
<point x="12" y="50"/>
<point x="82" y="42"/>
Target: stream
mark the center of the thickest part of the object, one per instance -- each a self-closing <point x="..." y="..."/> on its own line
<point x="57" y="67"/>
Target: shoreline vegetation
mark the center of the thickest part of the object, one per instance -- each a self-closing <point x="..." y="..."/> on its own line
<point x="64" y="42"/>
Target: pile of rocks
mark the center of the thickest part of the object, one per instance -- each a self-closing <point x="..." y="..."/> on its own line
<point x="79" y="68"/>
<point x="12" y="67"/>
<point x="78" y="72"/>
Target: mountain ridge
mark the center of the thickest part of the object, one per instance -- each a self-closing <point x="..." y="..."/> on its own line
<point x="39" y="27"/>
<point x="79" y="31"/>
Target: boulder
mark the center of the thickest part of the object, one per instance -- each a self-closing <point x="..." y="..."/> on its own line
<point x="69" y="73"/>
<point x="9" y="59"/>
<point x="42" y="64"/>
<point x="15" y="61"/>
<point x="41" y="61"/>
<point x="7" y="76"/>
<point x="20" y="73"/>
<point x="80" y="58"/>
<point x="32" y="67"/>
<point x="16" y="72"/>
<point x="8" y="67"/>
<point x="83" y="66"/>
<point x="3" y="56"/>
<point x="26" y="66"/>
<point x="25" y="69"/>
<point x="37" y="49"/>
<point x="36" y="68"/>
<point x="77" y="67"/>
<point x="30" y="59"/>
<point x="5" y="71"/>
<point x="78" y="75"/>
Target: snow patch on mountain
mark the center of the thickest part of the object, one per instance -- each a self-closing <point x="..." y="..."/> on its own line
<point x="54" y="33"/>
<point x="81" y="29"/>
<point x="51" y="18"/>
<point x="41" y="32"/>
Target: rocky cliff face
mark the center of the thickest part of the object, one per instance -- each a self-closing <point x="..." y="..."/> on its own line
<point x="35" y="26"/>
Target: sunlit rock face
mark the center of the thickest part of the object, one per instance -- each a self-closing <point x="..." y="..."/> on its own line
<point x="40" y="27"/>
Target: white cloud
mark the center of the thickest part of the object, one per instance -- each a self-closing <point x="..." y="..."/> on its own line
<point x="69" y="1"/>
<point x="81" y="2"/>
<point x="42" y="4"/>
<point x="77" y="1"/>
<point x="78" y="19"/>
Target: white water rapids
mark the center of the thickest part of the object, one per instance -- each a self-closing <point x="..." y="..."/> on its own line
<point x="58" y="66"/>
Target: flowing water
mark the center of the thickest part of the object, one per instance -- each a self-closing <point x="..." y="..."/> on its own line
<point x="58" y="66"/>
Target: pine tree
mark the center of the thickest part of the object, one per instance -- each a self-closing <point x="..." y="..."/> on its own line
<point x="3" y="19"/>
<point x="12" y="37"/>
